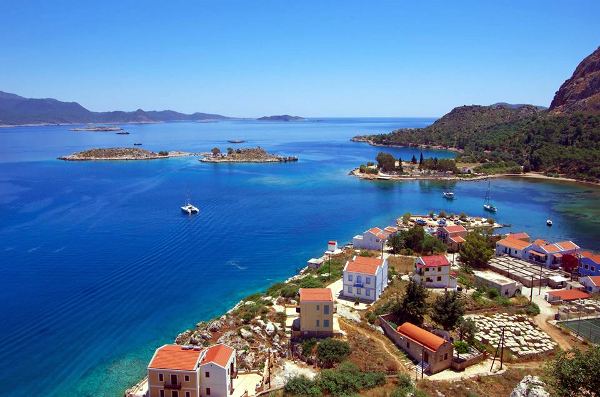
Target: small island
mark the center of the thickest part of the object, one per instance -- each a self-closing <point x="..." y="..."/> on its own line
<point x="283" y="117"/>
<point x="99" y="128"/>
<point x="247" y="155"/>
<point x="121" y="154"/>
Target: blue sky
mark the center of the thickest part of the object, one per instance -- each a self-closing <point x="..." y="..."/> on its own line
<point x="310" y="58"/>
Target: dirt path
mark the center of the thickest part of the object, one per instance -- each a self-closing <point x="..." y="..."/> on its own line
<point x="385" y="343"/>
<point x="541" y="320"/>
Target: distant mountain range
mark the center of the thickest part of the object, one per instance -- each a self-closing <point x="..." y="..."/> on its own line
<point x="564" y="139"/>
<point x="17" y="110"/>
<point x="283" y="117"/>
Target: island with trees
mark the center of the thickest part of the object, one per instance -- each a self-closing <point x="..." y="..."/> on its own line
<point x="282" y="117"/>
<point x="121" y="154"/>
<point x="246" y="155"/>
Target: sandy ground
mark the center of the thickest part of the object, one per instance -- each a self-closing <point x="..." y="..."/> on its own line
<point x="246" y="382"/>
<point x="290" y="369"/>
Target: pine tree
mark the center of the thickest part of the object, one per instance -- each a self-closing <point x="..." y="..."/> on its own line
<point x="413" y="160"/>
<point x="413" y="304"/>
<point x="447" y="310"/>
<point x="475" y="251"/>
<point x="421" y="159"/>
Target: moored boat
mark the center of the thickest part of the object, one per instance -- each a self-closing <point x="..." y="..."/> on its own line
<point x="190" y="209"/>
<point x="448" y="195"/>
<point x="487" y="203"/>
<point x="548" y="222"/>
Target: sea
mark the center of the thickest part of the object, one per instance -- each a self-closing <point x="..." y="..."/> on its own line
<point x="99" y="266"/>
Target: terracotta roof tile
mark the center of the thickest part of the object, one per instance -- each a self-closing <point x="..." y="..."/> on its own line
<point x="595" y="280"/>
<point x="375" y="230"/>
<point x="569" y="294"/>
<point x="590" y="255"/>
<point x="513" y="243"/>
<point x="435" y="260"/>
<point x="363" y="264"/>
<point x="567" y="245"/>
<point x="175" y="357"/>
<point x="315" y="294"/>
<point x="218" y="354"/>
<point x="421" y="336"/>
<point x="519" y="236"/>
<point x="454" y="229"/>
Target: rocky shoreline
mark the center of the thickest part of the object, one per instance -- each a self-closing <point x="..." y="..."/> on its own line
<point x="121" y="154"/>
<point x="366" y="139"/>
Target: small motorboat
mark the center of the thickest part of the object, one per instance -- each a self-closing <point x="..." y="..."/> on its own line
<point x="122" y="133"/>
<point x="448" y="195"/>
<point x="236" y="141"/>
<point x="190" y="209"/>
<point x="137" y="144"/>
<point x="548" y="222"/>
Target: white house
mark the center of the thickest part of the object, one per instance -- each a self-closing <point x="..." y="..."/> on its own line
<point x="512" y="247"/>
<point x="434" y="272"/>
<point x="372" y="239"/>
<point x="550" y="255"/>
<point x="365" y="278"/>
<point x="591" y="283"/>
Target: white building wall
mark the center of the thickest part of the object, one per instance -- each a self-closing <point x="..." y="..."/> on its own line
<point x="218" y="381"/>
<point x="368" y="242"/>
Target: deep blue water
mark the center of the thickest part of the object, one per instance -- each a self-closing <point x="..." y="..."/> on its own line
<point x="99" y="266"/>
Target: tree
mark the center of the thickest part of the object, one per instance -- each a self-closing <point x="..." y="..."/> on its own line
<point x="331" y="351"/>
<point x="574" y="372"/>
<point x="386" y="161"/>
<point x="413" y="304"/>
<point x="447" y="310"/>
<point x="229" y="150"/>
<point x="467" y="329"/>
<point x="475" y="251"/>
<point x="215" y="151"/>
<point x="396" y="242"/>
<point x="302" y="386"/>
<point x="420" y="159"/>
<point x="413" y="160"/>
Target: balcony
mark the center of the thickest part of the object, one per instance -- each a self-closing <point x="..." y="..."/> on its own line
<point x="172" y="386"/>
<point x="359" y="285"/>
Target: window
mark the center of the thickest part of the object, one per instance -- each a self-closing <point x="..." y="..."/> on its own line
<point x="325" y="323"/>
<point x="187" y="378"/>
<point x="368" y="292"/>
<point x="368" y="280"/>
<point x="439" y="278"/>
<point x="207" y="374"/>
<point x="426" y="269"/>
<point x="161" y="378"/>
<point x="161" y="393"/>
<point x="359" y="279"/>
<point x="439" y="269"/>
<point x="187" y="394"/>
<point x="407" y="344"/>
<point x="208" y="391"/>
<point x="358" y="291"/>
<point x="446" y="356"/>
<point x="349" y="277"/>
<point x="585" y="266"/>
<point x="318" y="308"/>
<point x="325" y="309"/>
<point x="174" y="393"/>
<point x="318" y="324"/>
<point x="349" y="289"/>
<point x="593" y="268"/>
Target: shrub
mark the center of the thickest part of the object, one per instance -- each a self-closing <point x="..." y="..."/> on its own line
<point x="331" y="351"/>
<point x="308" y="346"/>
<point x="163" y="153"/>
<point x="289" y="291"/>
<point x="532" y="309"/>
<point x="492" y="293"/>
<point x="348" y="379"/>
<point x="302" y="386"/>
<point x="461" y="347"/>
<point x="310" y="282"/>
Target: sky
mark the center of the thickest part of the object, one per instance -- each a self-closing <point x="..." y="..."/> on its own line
<point x="308" y="58"/>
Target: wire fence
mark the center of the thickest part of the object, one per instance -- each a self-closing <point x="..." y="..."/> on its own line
<point x="588" y="328"/>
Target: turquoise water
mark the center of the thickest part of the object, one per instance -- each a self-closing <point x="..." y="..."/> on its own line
<point x="99" y="266"/>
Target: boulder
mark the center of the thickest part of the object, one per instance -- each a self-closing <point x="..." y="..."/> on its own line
<point x="530" y="386"/>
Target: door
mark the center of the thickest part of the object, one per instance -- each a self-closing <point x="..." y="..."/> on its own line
<point x="173" y="379"/>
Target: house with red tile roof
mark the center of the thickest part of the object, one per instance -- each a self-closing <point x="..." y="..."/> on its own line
<point x="512" y="246"/>
<point x="192" y="371"/>
<point x="566" y="295"/>
<point x="433" y="351"/>
<point x="453" y="236"/>
<point x="434" y="272"/>
<point x="591" y="284"/>
<point x="519" y="236"/>
<point x="374" y="238"/>
<point x="365" y="278"/>
<point x="589" y="264"/>
<point x="316" y="309"/>
<point x="550" y="254"/>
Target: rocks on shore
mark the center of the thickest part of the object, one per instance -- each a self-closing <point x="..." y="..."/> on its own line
<point x="247" y="155"/>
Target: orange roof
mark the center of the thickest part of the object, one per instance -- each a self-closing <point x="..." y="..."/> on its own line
<point x="434" y="260"/>
<point x="175" y="357"/>
<point x="391" y="229"/>
<point x="551" y="248"/>
<point x="513" y="243"/>
<point x="518" y="236"/>
<point x="567" y="245"/>
<point x="595" y="280"/>
<point x="421" y="336"/>
<point x="315" y="294"/>
<point x="363" y="264"/>
<point x="592" y="256"/>
<point x="569" y="294"/>
<point x="218" y="354"/>
<point x="457" y="239"/>
<point x="454" y="229"/>
<point x="374" y="230"/>
<point x="540" y="242"/>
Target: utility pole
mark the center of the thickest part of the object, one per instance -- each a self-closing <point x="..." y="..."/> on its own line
<point x="502" y="349"/>
<point x="540" y="284"/>
<point x="531" y="290"/>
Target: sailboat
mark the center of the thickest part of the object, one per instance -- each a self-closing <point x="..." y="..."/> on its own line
<point x="487" y="204"/>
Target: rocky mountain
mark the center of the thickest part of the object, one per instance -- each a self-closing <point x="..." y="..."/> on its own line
<point x="283" y="117"/>
<point x="580" y="93"/>
<point x="16" y="110"/>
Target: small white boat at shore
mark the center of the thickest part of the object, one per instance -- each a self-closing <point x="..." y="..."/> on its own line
<point x="190" y="209"/>
<point x="448" y="195"/>
<point x="548" y="222"/>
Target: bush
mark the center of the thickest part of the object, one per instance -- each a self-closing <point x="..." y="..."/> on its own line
<point x="493" y="293"/>
<point x="532" y="309"/>
<point x="302" y="386"/>
<point x="331" y="351"/>
<point x="289" y="291"/>
<point x="163" y="153"/>
<point x="348" y="379"/>
<point x="461" y="347"/>
<point x="308" y="346"/>
<point x="310" y="282"/>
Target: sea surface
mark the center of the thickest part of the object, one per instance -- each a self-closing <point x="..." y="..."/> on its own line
<point x="98" y="266"/>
